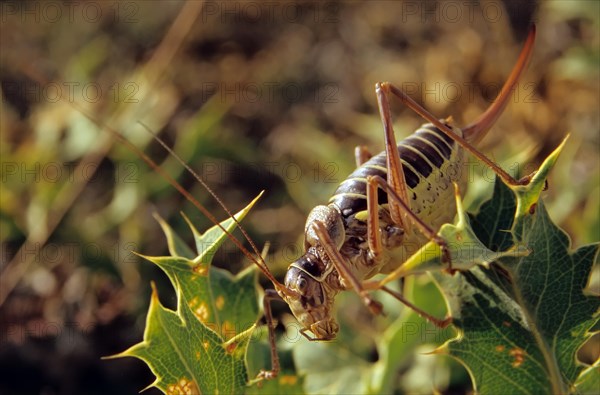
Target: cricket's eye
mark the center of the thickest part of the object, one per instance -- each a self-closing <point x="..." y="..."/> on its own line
<point x="302" y="284"/>
<point x="295" y="280"/>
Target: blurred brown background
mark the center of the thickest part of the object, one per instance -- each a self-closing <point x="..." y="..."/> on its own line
<point x="254" y="96"/>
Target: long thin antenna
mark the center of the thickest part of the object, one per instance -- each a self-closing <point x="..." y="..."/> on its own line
<point x="133" y="148"/>
<point x="173" y="37"/>
<point x="209" y="190"/>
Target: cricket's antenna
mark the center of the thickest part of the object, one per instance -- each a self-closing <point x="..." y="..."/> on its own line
<point x="258" y="261"/>
<point x="133" y="148"/>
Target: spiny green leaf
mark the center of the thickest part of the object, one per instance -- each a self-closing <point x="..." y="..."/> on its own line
<point x="201" y="347"/>
<point x="549" y="286"/>
<point x="529" y="194"/>
<point x="177" y="247"/>
<point x="184" y="355"/>
<point x="522" y="322"/>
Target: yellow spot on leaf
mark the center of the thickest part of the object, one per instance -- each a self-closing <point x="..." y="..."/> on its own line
<point x="500" y="348"/>
<point x="198" y="354"/>
<point x="202" y="312"/>
<point x="288" y="380"/>
<point x="519" y="356"/>
<point x="220" y="302"/>
<point x="183" y="387"/>
<point x="193" y="302"/>
<point x="205" y="344"/>
<point x="201" y="270"/>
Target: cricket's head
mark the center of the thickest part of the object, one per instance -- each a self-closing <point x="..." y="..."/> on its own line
<point x="311" y="298"/>
<point x="308" y="278"/>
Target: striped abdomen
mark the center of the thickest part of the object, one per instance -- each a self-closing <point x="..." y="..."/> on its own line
<point x="430" y="160"/>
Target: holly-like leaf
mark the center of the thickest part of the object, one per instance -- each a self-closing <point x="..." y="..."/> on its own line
<point x="523" y="319"/>
<point x="201" y="347"/>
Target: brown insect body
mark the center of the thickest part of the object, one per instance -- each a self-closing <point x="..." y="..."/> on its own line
<point x="340" y="249"/>
<point x="430" y="173"/>
<point x="431" y="162"/>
